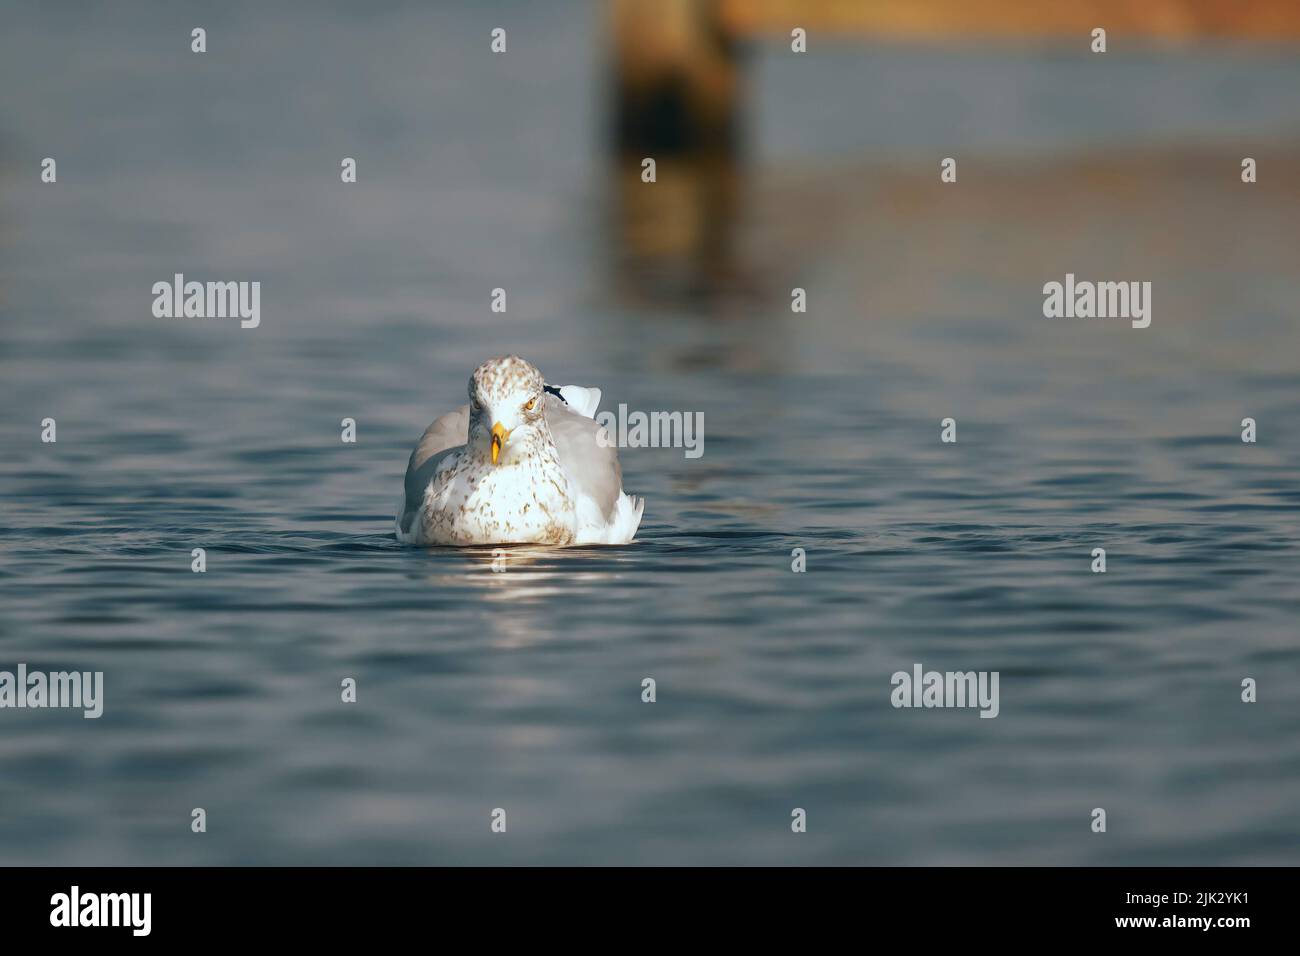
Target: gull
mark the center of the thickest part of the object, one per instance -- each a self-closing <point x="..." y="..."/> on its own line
<point x="522" y="463"/>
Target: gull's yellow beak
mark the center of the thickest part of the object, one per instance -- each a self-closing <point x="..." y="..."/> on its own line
<point x="499" y="435"/>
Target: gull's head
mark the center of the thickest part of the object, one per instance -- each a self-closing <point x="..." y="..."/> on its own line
<point x="506" y="401"/>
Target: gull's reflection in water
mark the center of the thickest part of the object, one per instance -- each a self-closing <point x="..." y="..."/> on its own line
<point x="517" y="577"/>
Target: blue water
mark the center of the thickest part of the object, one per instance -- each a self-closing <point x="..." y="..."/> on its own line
<point x="521" y="689"/>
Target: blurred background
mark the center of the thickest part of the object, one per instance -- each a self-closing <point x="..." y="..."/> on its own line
<point x="775" y="170"/>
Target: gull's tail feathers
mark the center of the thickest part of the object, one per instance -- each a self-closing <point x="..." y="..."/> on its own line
<point x="584" y="401"/>
<point x="621" y="526"/>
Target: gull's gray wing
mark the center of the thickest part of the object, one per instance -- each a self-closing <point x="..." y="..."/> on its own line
<point x="593" y="468"/>
<point x="447" y="435"/>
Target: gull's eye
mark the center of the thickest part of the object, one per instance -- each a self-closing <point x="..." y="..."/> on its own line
<point x="532" y="403"/>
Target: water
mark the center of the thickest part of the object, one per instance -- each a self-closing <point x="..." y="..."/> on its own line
<point x="521" y="689"/>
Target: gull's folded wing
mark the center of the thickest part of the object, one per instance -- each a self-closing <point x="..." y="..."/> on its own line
<point x="446" y="435"/>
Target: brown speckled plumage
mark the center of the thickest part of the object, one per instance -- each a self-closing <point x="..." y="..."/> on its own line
<point x="458" y="496"/>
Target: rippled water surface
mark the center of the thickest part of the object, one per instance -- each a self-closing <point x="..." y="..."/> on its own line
<point x="522" y="689"/>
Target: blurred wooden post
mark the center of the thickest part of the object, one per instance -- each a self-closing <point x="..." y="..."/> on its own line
<point x="675" y="78"/>
<point x="675" y="89"/>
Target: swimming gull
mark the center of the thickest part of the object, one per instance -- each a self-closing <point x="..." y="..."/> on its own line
<point x="523" y="462"/>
